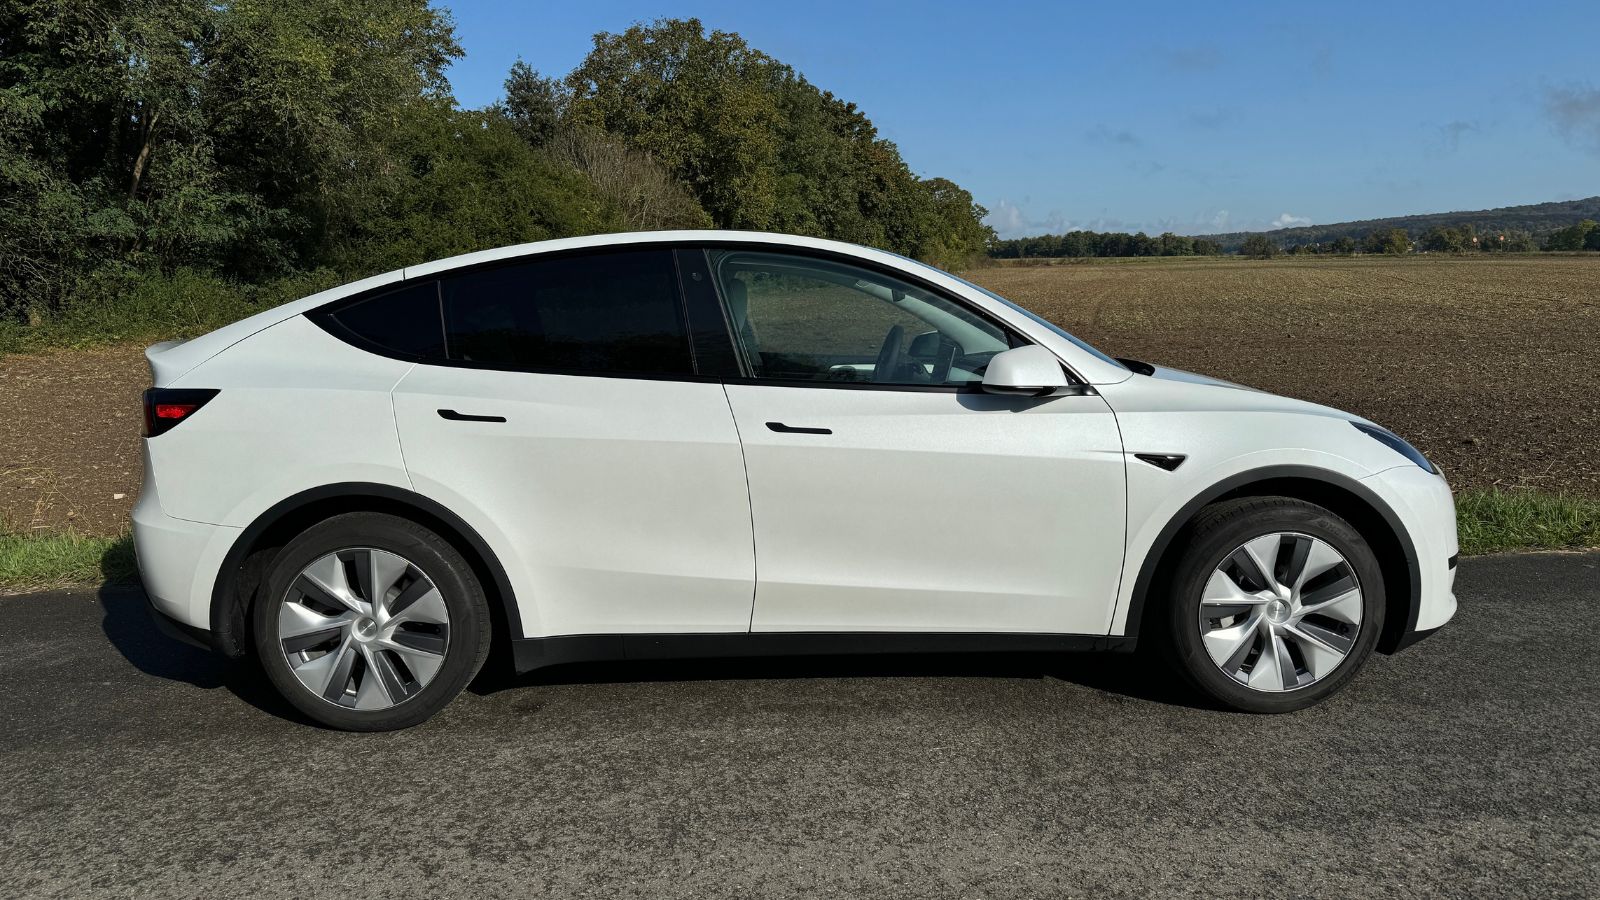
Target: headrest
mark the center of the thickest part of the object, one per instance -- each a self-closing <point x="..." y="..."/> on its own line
<point x="738" y="298"/>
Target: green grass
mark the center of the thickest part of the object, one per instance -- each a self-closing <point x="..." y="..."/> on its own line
<point x="1488" y="522"/>
<point x="1496" y="521"/>
<point x="55" y="560"/>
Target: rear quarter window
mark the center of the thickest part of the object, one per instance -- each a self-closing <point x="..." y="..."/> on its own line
<point x="405" y="321"/>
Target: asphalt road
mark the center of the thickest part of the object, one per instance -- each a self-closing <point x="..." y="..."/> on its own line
<point x="1466" y="766"/>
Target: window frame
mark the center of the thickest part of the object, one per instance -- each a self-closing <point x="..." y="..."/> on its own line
<point x="1014" y="336"/>
<point x="326" y="317"/>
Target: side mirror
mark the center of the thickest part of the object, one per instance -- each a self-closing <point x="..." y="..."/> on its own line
<point x="1029" y="371"/>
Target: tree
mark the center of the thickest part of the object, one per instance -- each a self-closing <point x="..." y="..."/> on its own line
<point x="1440" y="239"/>
<point x="1344" y="245"/>
<point x="641" y="193"/>
<point x="1388" y="240"/>
<point x="1259" y="246"/>
<point x="1572" y="238"/>
<point x="703" y="104"/>
<point x="535" y="104"/>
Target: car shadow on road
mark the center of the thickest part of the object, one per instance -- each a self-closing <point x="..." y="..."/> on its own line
<point x="131" y="630"/>
<point x="1126" y="674"/>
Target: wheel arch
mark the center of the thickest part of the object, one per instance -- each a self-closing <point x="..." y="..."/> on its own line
<point x="1357" y="504"/>
<point x="237" y="579"/>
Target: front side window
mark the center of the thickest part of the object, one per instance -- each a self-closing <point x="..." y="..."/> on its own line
<point x="601" y="313"/>
<point x="799" y="318"/>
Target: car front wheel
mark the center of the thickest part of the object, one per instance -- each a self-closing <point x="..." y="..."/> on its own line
<point x="370" y="622"/>
<point x="1276" y="603"/>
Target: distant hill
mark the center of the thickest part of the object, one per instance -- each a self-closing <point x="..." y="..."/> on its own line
<point x="1539" y="219"/>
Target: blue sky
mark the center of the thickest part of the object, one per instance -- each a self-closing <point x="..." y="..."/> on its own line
<point x="1190" y="117"/>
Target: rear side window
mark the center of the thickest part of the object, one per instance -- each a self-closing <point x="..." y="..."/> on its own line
<point x="404" y="321"/>
<point x="602" y="313"/>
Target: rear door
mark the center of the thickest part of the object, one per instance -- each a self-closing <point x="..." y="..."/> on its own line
<point x="563" y="416"/>
<point x="888" y="492"/>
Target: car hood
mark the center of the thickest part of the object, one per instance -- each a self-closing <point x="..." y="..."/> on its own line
<point x="1181" y="390"/>
<point x="1169" y="374"/>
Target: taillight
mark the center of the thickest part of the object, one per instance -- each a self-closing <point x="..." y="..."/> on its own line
<point x="164" y="408"/>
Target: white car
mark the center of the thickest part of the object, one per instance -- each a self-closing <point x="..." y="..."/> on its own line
<point x="715" y="443"/>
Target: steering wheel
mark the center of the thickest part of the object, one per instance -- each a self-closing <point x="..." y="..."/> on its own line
<point x="888" y="356"/>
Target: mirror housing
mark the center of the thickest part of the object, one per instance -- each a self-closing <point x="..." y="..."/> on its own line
<point x="1031" y="371"/>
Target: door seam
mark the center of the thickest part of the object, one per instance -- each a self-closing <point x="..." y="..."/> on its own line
<point x="750" y="506"/>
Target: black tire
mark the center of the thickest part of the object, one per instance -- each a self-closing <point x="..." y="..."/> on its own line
<point x="1219" y="530"/>
<point x="468" y="630"/>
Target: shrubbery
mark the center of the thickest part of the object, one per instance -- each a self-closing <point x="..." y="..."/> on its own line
<point x="168" y="164"/>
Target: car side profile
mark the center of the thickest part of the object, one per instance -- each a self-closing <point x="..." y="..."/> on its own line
<point x="714" y="443"/>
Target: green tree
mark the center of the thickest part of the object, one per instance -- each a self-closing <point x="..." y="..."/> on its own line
<point x="535" y="104"/>
<point x="1259" y="246"/>
<point x="1388" y="240"/>
<point x="704" y="104"/>
<point x="1344" y="245"/>
<point x="1571" y="238"/>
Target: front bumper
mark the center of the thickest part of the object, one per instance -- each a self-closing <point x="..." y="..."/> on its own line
<point x="1426" y="508"/>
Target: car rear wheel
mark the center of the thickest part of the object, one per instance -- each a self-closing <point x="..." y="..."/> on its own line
<point x="370" y="622"/>
<point x="1276" y="604"/>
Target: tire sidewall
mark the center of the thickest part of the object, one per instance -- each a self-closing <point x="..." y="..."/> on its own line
<point x="1212" y="547"/>
<point x="463" y="598"/>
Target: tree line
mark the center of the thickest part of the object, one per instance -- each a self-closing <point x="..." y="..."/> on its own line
<point x="1082" y="244"/>
<point x="265" y="149"/>
<point x="1465" y="238"/>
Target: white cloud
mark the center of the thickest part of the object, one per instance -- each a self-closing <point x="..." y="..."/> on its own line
<point x="1005" y="218"/>
<point x="1288" y="221"/>
<point x="1010" y="220"/>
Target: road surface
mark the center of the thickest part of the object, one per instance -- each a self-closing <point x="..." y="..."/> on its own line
<point x="1467" y="766"/>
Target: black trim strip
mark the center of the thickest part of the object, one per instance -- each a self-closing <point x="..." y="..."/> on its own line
<point x="537" y="653"/>
<point x="1453" y="561"/>
<point x="172" y="628"/>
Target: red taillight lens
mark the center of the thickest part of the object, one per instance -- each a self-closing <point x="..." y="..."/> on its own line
<point x="164" y="408"/>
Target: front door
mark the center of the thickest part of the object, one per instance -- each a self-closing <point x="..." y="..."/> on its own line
<point x="887" y="491"/>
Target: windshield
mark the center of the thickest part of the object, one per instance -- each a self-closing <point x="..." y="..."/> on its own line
<point x="1078" y="342"/>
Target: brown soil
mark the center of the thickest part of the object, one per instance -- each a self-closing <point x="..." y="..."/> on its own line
<point x="1490" y="366"/>
<point x="69" y="442"/>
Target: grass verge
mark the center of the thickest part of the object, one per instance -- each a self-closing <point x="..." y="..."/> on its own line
<point x="1496" y="521"/>
<point x="1487" y="521"/>
<point x="39" y="561"/>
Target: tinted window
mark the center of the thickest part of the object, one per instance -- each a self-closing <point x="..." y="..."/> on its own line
<point x="404" y="321"/>
<point x="804" y="319"/>
<point x="610" y="312"/>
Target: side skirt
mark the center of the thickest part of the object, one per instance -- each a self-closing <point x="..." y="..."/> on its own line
<point x="537" y="653"/>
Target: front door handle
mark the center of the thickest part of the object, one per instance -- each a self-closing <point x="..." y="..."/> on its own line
<point x="454" y="416"/>
<point x="791" y="429"/>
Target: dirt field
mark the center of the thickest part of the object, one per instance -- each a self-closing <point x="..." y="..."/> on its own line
<point x="1490" y="366"/>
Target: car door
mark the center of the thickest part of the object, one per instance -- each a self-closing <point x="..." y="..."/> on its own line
<point x="888" y="491"/>
<point x="562" y="416"/>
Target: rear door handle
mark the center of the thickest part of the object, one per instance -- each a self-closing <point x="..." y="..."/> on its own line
<point x="791" y="429"/>
<point x="454" y="416"/>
